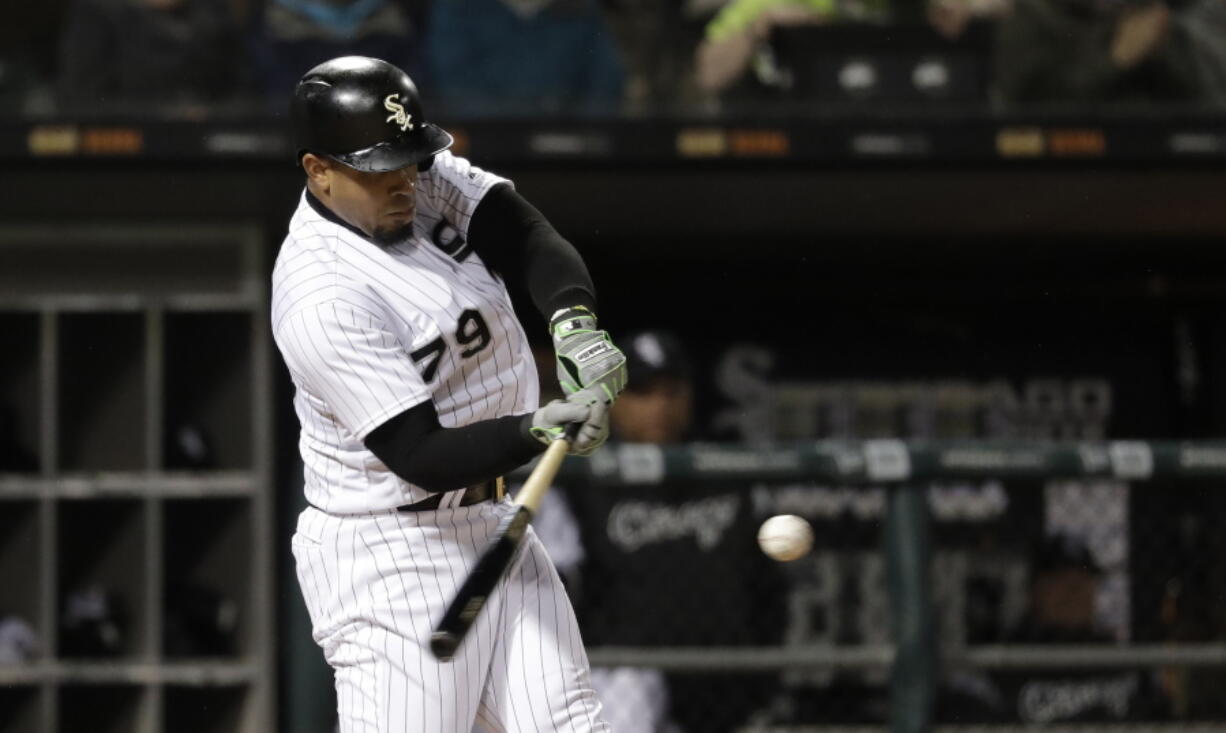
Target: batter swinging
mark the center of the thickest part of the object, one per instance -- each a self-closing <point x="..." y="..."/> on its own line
<point x="416" y="390"/>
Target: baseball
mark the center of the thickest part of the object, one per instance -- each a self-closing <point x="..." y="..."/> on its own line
<point x="785" y="537"/>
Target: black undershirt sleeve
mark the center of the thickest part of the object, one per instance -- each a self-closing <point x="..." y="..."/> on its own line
<point x="421" y="451"/>
<point x="518" y="243"/>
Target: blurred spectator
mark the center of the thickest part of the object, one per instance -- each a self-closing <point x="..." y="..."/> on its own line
<point x="1061" y="51"/>
<point x="657" y="39"/>
<point x="674" y="565"/>
<point x="737" y="38"/>
<point x="163" y="52"/>
<point x="951" y="18"/>
<point x="292" y="36"/>
<point x="522" y="56"/>
<point x="1204" y="25"/>
<point x="1064" y="588"/>
<point x="658" y="404"/>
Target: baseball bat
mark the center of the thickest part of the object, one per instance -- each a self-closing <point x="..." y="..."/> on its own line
<point x="477" y="587"/>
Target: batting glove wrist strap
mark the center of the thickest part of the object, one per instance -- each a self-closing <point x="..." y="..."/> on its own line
<point x="569" y="320"/>
<point x="586" y="356"/>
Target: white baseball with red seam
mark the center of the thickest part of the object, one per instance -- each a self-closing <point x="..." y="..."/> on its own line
<point x="785" y="537"/>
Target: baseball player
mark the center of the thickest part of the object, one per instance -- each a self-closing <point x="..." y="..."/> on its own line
<point x="416" y="390"/>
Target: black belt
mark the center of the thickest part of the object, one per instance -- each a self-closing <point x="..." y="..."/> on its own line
<point x="491" y="490"/>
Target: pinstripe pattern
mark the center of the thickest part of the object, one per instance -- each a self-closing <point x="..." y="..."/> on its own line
<point x="371" y="596"/>
<point x="347" y="315"/>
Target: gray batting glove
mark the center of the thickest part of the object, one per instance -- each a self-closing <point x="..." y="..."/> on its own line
<point x="587" y="358"/>
<point x="585" y="406"/>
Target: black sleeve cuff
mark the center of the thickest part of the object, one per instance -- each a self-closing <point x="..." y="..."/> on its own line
<point x="415" y="447"/>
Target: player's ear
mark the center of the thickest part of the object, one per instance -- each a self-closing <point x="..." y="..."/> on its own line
<point x="317" y="170"/>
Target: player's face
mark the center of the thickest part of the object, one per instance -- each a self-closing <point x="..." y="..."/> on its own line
<point x="380" y="204"/>
<point x="656" y="411"/>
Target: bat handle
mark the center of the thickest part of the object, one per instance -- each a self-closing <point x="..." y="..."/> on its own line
<point x="572" y="431"/>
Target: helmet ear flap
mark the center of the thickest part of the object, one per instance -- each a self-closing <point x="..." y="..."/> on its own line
<point x="425" y="163"/>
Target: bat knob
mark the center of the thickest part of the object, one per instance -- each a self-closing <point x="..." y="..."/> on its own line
<point x="443" y="645"/>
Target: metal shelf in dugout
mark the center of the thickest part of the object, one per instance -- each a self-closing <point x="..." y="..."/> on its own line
<point x="206" y="422"/>
<point x="134" y="481"/>
<point x="19" y="709"/>
<point x="207" y="602"/>
<point x="103" y="412"/>
<point x="21" y="556"/>
<point x="19" y="392"/>
<point x="203" y="710"/>
<point x="101" y="392"/>
<point x="102" y="580"/>
<point x="102" y="708"/>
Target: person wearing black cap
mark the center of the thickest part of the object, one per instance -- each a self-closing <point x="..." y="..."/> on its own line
<point x="658" y="405"/>
<point x="416" y="391"/>
<point x="672" y="564"/>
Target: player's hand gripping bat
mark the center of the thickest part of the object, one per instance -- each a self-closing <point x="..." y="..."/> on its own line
<point x="477" y="587"/>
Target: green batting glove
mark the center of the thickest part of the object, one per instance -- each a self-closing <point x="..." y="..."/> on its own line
<point x="586" y="356"/>
<point x="585" y="406"/>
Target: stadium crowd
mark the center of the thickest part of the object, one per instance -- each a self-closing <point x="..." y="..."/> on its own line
<point x="188" y="58"/>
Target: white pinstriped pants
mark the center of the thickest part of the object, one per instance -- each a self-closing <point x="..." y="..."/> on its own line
<point x="375" y="584"/>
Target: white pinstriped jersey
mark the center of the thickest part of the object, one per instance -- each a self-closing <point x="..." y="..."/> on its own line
<point x="368" y="331"/>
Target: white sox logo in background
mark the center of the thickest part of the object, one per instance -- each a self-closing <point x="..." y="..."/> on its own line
<point x="398" y="116"/>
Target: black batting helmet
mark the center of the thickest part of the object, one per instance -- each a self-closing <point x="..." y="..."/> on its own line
<point x="365" y="113"/>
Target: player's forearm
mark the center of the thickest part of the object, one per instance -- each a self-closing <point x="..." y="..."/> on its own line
<point x="518" y="243"/>
<point x="417" y="449"/>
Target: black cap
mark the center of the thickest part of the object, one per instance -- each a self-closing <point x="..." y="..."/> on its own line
<point x="655" y="353"/>
<point x="365" y="113"/>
